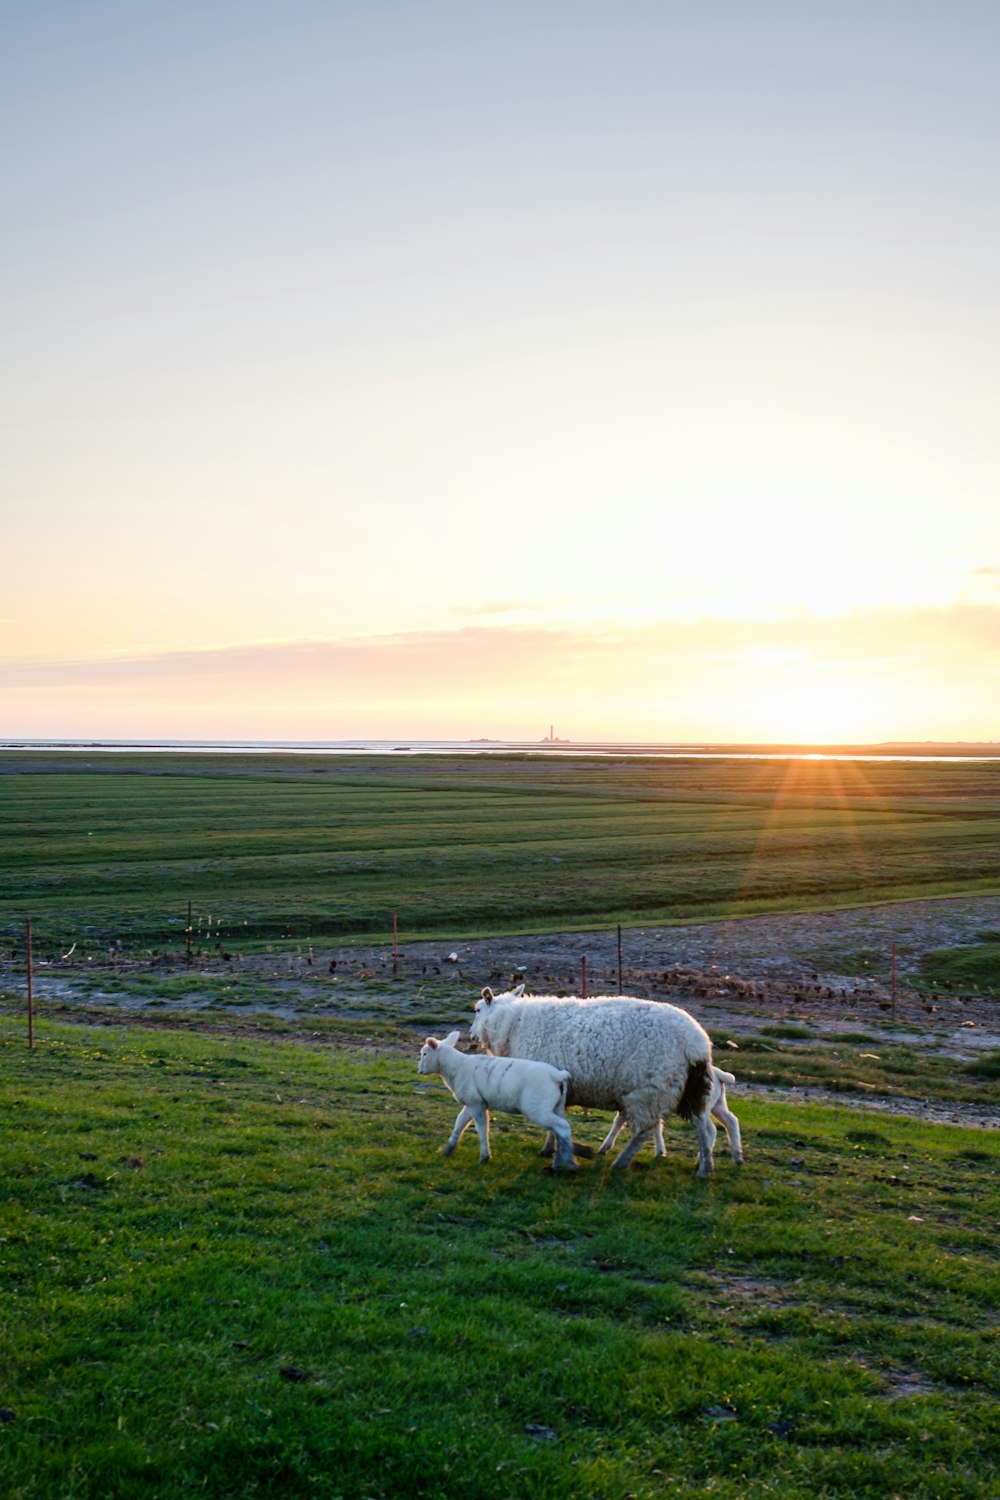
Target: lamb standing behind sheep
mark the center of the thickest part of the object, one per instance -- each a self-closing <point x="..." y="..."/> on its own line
<point x="535" y="1089"/>
<point x="640" y="1057"/>
<point x="718" y="1106"/>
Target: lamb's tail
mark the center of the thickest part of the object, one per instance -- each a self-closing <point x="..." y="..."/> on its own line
<point x="697" y="1088"/>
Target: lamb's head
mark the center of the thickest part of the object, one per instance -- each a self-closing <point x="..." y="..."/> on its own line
<point x="430" y="1061"/>
<point x="483" y="1011"/>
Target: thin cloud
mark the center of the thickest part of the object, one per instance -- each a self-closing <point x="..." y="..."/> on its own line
<point x="441" y="655"/>
<point x="926" y="674"/>
<point x="877" y="636"/>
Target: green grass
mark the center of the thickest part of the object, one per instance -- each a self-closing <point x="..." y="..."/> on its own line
<point x="284" y="850"/>
<point x="969" y="969"/>
<point x="241" y="1268"/>
<point x="886" y="1071"/>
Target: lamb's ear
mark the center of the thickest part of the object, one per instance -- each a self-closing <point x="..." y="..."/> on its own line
<point x="487" y="994"/>
<point x="451" y="1039"/>
<point x="432" y="1042"/>
<point x="519" y="991"/>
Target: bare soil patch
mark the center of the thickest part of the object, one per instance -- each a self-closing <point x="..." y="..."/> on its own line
<point x="749" y="972"/>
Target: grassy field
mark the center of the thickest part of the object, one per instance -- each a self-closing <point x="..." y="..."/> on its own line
<point x="108" y="849"/>
<point x="240" y="1268"/>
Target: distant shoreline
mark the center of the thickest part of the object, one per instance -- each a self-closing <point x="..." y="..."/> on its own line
<point x="666" y="750"/>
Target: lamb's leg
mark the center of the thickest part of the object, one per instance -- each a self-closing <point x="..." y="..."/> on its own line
<point x="731" y="1125"/>
<point x="564" y="1145"/>
<point x="612" y="1135"/>
<point x="462" y="1123"/>
<point x="482" y="1119"/>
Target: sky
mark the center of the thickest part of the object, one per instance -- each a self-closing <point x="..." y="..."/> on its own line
<point x="452" y="370"/>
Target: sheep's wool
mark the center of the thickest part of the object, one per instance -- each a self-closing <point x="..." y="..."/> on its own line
<point x="621" y="1052"/>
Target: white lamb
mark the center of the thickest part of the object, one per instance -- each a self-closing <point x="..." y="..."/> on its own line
<point x="640" y="1057"/>
<point x="718" y="1106"/>
<point x="535" y="1089"/>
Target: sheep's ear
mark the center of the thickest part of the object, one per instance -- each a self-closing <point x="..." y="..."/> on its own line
<point x="432" y="1042"/>
<point x="519" y="991"/>
<point x="487" y="994"/>
<point x="451" y="1039"/>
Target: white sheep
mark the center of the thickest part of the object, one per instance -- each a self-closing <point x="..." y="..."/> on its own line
<point x="535" y="1089"/>
<point x="640" y="1057"/>
<point x="718" y="1106"/>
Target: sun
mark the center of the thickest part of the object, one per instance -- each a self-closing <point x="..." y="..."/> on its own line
<point x="812" y="713"/>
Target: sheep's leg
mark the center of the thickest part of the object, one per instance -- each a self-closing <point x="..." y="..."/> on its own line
<point x="731" y="1125"/>
<point x="639" y="1139"/>
<point x="616" y="1127"/>
<point x="549" y="1146"/>
<point x="704" y="1129"/>
<point x="462" y="1123"/>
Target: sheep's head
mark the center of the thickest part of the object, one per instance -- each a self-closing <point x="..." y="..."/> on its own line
<point x="479" y="1030"/>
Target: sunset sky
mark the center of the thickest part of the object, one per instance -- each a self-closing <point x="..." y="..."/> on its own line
<point x="446" y="370"/>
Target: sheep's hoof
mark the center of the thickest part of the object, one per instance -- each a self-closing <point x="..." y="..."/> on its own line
<point x="586" y="1152"/>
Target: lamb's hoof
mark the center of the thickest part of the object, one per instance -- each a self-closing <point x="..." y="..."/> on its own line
<point x="586" y="1152"/>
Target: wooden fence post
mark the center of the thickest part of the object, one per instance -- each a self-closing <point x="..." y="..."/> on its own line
<point x="619" y="958"/>
<point x="31" y="993"/>
<point x="583" y="977"/>
<point x="395" y="942"/>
